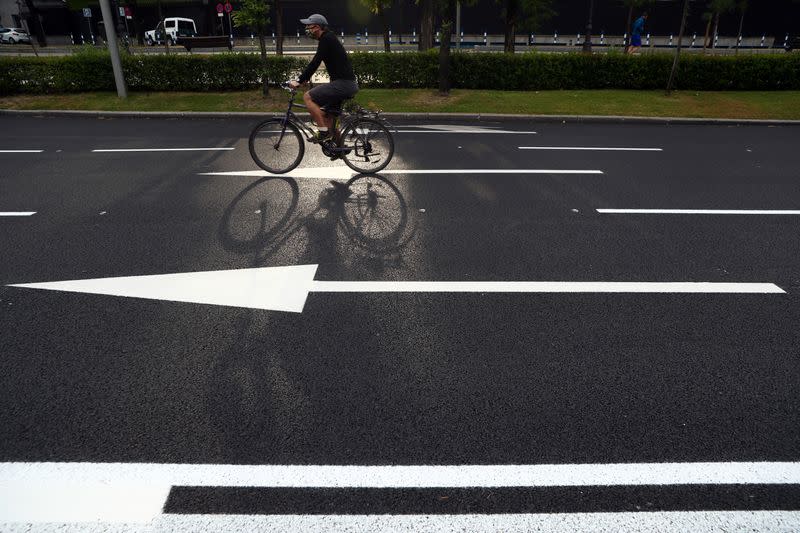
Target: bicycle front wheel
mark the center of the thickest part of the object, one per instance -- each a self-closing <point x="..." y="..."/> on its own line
<point x="276" y="146"/>
<point x="368" y="145"/>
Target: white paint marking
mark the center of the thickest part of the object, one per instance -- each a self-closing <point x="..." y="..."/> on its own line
<point x="694" y="521"/>
<point x="136" y="492"/>
<point x="17" y="213"/>
<point x="594" y="148"/>
<point x="701" y="211"/>
<point x="507" y="132"/>
<point x="346" y="173"/>
<point x="162" y="149"/>
<point x="21" y="151"/>
<point x="449" y="128"/>
<point x="286" y="288"/>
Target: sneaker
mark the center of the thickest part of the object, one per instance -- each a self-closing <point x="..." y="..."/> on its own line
<point x="322" y="136"/>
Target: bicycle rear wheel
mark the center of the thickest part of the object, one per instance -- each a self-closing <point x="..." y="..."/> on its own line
<point x="276" y="146"/>
<point x="370" y="145"/>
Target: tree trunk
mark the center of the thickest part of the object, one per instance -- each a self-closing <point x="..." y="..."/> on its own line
<point x="511" y="34"/>
<point x="741" y="27"/>
<point x="426" y="26"/>
<point x="708" y="30"/>
<point x="678" y="51"/>
<point x="263" y="45"/>
<point x="716" y="30"/>
<point x="278" y="28"/>
<point x="385" y="25"/>
<point x="37" y="29"/>
<point x="444" y="50"/>
<point x="628" y="29"/>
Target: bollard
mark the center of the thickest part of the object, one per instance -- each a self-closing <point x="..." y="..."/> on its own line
<point x="648" y="40"/>
<point x="252" y="40"/>
<point x="298" y="36"/>
<point x="555" y="38"/>
<point x="694" y="38"/>
<point x="763" y="37"/>
<point x="342" y="37"/>
<point x="273" y="37"/>
<point x="462" y="36"/>
<point x="786" y="41"/>
<point x="602" y="38"/>
<point x="578" y="39"/>
<point x="72" y="38"/>
<point x="716" y="39"/>
<point x="484" y="39"/>
<point x="670" y="39"/>
<point x="533" y="39"/>
<point x="366" y="36"/>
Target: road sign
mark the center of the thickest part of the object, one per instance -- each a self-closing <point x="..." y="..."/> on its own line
<point x="87" y="12"/>
<point x="220" y="7"/>
<point x="228" y="7"/>
<point x="122" y="12"/>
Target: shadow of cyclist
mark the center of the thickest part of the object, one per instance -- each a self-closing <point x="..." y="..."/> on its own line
<point x="262" y="393"/>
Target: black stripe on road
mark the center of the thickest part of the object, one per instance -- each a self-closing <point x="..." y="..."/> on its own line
<point x="503" y="500"/>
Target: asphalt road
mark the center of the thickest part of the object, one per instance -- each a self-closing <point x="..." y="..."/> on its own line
<point x="461" y="379"/>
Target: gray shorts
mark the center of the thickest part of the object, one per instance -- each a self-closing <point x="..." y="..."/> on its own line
<point x="333" y="93"/>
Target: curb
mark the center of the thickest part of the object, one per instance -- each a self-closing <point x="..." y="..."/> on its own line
<point x="607" y="119"/>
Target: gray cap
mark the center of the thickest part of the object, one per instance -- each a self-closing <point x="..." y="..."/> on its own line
<point x="316" y="18"/>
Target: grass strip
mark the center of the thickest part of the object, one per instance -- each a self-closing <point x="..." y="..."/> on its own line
<point x="730" y="104"/>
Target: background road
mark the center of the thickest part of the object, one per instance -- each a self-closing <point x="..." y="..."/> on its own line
<point x="409" y="378"/>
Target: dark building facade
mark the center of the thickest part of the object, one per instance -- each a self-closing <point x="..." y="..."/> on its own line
<point x="771" y="17"/>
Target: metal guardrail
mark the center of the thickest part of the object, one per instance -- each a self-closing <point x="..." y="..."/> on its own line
<point x="293" y="44"/>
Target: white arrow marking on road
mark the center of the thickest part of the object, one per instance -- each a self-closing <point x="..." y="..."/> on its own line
<point x="161" y="149"/>
<point x="347" y="173"/>
<point x="17" y="213"/>
<point x="286" y="288"/>
<point x="598" y="148"/>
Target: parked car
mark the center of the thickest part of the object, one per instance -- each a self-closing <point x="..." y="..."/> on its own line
<point x="14" y="36"/>
<point x="170" y="28"/>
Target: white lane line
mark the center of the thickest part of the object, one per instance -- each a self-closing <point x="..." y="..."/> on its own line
<point x="507" y="132"/>
<point x="548" y="287"/>
<point x="694" y="521"/>
<point x="346" y="173"/>
<point x="21" y="151"/>
<point x="701" y="211"/>
<point x="131" y="492"/>
<point x="161" y="149"/>
<point x="597" y="148"/>
<point x="418" y="476"/>
<point x="17" y="213"/>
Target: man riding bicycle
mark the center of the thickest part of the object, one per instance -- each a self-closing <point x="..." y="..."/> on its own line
<point x="343" y="82"/>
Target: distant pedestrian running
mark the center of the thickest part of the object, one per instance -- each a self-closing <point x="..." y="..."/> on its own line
<point x="636" y="34"/>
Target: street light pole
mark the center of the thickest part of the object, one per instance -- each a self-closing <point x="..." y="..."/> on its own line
<point x="587" y="43"/>
<point x="113" y="49"/>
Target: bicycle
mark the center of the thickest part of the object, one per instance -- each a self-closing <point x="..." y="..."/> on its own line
<point x="361" y="138"/>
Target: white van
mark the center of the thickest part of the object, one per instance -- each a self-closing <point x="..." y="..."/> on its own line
<point x="170" y="28"/>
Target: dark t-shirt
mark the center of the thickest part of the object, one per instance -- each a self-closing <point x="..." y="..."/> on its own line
<point x="331" y="52"/>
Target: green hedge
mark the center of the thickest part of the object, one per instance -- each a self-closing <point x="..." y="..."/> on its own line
<point x="91" y="71"/>
<point x="176" y="72"/>
<point x="541" y="71"/>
